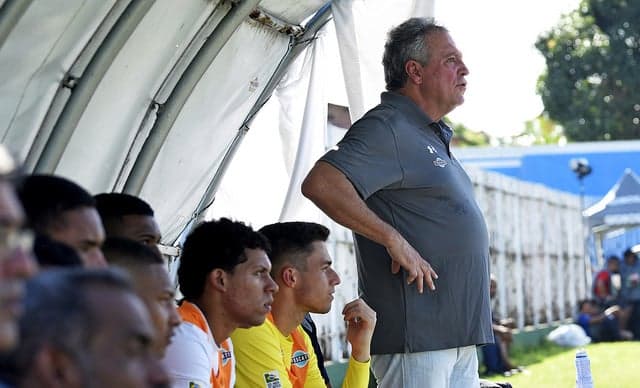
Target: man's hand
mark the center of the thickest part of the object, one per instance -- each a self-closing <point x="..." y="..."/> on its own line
<point x="361" y="321"/>
<point x="418" y="269"/>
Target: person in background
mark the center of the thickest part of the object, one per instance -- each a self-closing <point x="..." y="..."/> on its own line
<point x="128" y="216"/>
<point x="85" y="328"/>
<point x="65" y="212"/>
<point x="16" y="260"/>
<point x="630" y="292"/>
<point x="279" y="352"/>
<point x="51" y="253"/>
<point x="496" y="356"/>
<point x="601" y="325"/>
<point x="224" y="278"/>
<point x="151" y="282"/>
<point x="604" y="287"/>
<point x="394" y="181"/>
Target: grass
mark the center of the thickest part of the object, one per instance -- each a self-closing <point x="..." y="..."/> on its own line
<point x="613" y="365"/>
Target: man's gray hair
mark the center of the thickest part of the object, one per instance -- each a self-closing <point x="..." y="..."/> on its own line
<point x="406" y="42"/>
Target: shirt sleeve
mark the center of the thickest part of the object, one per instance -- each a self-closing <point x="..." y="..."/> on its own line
<point x="368" y="156"/>
<point x="357" y="375"/>
<point x="188" y="361"/>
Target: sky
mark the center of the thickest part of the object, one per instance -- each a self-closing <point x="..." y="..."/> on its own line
<point x="497" y="40"/>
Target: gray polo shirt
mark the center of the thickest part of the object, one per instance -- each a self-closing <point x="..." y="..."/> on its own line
<point x="403" y="170"/>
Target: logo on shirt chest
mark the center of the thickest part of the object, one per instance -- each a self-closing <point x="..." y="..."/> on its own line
<point x="226" y="356"/>
<point x="299" y="358"/>
<point x="272" y="379"/>
<point x="439" y="162"/>
<point x="432" y="149"/>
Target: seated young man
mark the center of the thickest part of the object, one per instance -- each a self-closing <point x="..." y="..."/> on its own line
<point x="224" y="278"/>
<point x="279" y="353"/>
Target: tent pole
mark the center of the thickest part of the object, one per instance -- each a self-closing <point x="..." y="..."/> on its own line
<point x="298" y="45"/>
<point x="10" y="14"/>
<point x="87" y="84"/>
<point x="169" y="111"/>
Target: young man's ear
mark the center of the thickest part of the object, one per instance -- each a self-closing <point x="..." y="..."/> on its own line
<point x="218" y="279"/>
<point x="56" y="368"/>
<point x="289" y="276"/>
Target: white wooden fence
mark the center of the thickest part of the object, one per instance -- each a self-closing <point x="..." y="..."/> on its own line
<point x="537" y="256"/>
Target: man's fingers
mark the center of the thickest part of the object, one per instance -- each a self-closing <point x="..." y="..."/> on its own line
<point x="395" y="267"/>
<point x="420" y="284"/>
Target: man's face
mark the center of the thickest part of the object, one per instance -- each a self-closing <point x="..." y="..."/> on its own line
<point x="630" y="259"/>
<point x="250" y="289"/>
<point x="141" y="228"/>
<point x="82" y="230"/>
<point x="120" y="351"/>
<point x="16" y="264"/>
<point x="318" y="281"/>
<point x="444" y="81"/>
<point x="154" y="287"/>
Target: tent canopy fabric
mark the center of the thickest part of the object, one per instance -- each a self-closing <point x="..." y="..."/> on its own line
<point x="619" y="208"/>
<point x="150" y="97"/>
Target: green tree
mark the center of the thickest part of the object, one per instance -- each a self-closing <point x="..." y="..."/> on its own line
<point x="592" y="82"/>
<point x="465" y="137"/>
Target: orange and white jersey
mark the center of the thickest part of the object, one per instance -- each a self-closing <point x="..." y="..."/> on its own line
<point x="193" y="359"/>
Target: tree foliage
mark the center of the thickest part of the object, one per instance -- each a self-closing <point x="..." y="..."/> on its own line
<point x="465" y="137"/>
<point x="592" y="82"/>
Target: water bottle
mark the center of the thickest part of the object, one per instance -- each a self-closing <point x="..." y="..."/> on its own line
<point x="583" y="370"/>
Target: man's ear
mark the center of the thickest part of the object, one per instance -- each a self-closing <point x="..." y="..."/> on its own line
<point x="56" y="368"/>
<point x="414" y="71"/>
<point x="289" y="276"/>
<point x="218" y="279"/>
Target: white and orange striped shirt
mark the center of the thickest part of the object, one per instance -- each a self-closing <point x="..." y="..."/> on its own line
<point x="193" y="358"/>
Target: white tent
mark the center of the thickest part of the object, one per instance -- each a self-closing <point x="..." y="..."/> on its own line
<point x="618" y="209"/>
<point x="154" y="97"/>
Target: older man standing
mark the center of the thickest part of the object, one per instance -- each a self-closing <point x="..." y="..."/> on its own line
<point x="393" y="180"/>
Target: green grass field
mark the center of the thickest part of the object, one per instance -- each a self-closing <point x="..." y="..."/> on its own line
<point x="613" y="365"/>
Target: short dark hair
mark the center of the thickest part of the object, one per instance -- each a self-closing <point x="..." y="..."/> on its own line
<point x="629" y="252"/>
<point x="58" y="311"/>
<point x="112" y="205"/>
<point x="125" y="252"/>
<point x="52" y="253"/>
<point x="46" y="197"/>
<point x="291" y="241"/>
<point x="406" y="42"/>
<point x="613" y="258"/>
<point x="582" y="302"/>
<point x="211" y="245"/>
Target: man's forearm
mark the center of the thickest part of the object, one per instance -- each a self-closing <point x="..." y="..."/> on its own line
<point x="334" y="194"/>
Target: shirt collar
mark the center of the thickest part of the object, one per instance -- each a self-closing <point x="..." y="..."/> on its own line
<point x="415" y="114"/>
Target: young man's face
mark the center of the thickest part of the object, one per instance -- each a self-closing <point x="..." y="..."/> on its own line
<point x="153" y="285"/>
<point x="137" y="227"/>
<point x="318" y="280"/>
<point x="16" y="264"/>
<point x="120" y="352"/>
<point x="250" y="289"/>
<point x="82" y="230"/>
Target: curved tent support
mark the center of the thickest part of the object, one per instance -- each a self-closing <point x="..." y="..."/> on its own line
<point x="10" y="13"/>
<point x="297" y="45"/>
<point x="85" y="86"/>
<point x="169" y="112"/>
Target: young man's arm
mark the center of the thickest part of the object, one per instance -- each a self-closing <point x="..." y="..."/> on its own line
<point x="361" y="322"/>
